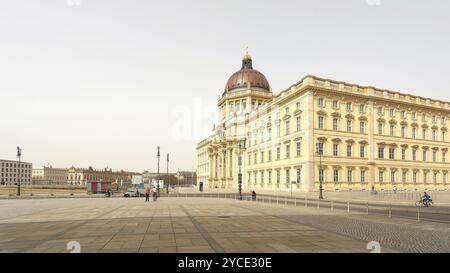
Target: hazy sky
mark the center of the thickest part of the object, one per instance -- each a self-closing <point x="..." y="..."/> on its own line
<point x="102" y="83"/>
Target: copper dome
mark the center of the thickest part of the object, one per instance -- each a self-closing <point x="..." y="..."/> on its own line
<point x="247" y="76"/>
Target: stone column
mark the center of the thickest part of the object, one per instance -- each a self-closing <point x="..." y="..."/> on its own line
<point x="309" y="139"/>
<point x="371" y="140"/>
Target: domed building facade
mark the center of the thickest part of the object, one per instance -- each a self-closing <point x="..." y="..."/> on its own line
<point x="323" y="134"/>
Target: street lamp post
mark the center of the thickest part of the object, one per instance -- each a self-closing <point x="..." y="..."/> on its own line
<point x="319" y="152"/>
<point x="157" y="176"/>
<point x="241" y="148"/>
<point x="168" y="177"/>
<point x="19" y="154"/>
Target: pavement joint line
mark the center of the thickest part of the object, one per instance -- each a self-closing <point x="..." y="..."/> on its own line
<point x="211" y="241"/>
<point x="55" y="236"/>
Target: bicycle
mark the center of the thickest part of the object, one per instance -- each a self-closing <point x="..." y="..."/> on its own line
<point x="424" y="203"/>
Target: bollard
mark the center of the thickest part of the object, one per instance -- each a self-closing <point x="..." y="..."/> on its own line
<point x="332" y="205"/>
<point x="318" y="203"/>
<point x="348" y="206"/>
<point x="306" y="202"/>
<point x="295" y="201"/>
<point x="418" y="214"/>
<point x="277" y="199"/>
<point x="390" y="213"/>
<point x="367" y="208"/>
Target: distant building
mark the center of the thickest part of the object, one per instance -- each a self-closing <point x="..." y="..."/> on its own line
<point x="77" y="176"/>
<point x="186" y="178"/>
<point x="11" y="172"/>
<point x="50" y="176"/>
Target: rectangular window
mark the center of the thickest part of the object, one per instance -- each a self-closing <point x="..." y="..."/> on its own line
<point x="380" y="111"/>
<point x="322" y="174"/>
<point x="298" y="123"/>
<point x="425" y="178"/>
<point x="287" y="111"/>
<point x="335" y="149"/>
<point x="362" y="151"/>
<point x="434" y="135"/>
<point x="321" y="102"/>
<point x="414" y="154"/>
<point x="349" y="125"/>
<point x="443" y="136"/>
<point x="269" y="132"/>
<point x="262" y="157"/>
<point x="349" y="106"/>
<point x="393" y="176"/>
<point x="434" y="156"/>
<point x="404" y="177"/>
<point x="255" y="158"/>
<point x="403" y="114"/>
<point x="380" y="128"/>
<point x="288" y="176"/>
<point x="403" y="131"/>
<point x="349" y="150"/>
<point x="362" y="127"/>
<point x="278" y="153"/>
<point x="288" y="127"/>
<point x="363" y="176"/>
<point x="425" y="156"/>
<point x="335" y="124"/>
<point x="288" y="151"/>
<point x="381" y="176"/>
<point x="362" y="108"/>
<point x="444" y="156"/>
<point x="270" y="176"/>
<point x="299" y="176"/>
<point x="319" y="148"/>
<point x="392" y="113"/>
<point x="413" y="135"/>
<point x="424" y="133"/>
<point x="297" y="105"/>
<point x="435" y="178"/>
<point x="335" y="104"/>
<point x="278" y="176"/>
<point x="380" y="152"/>
<point x="299" y="148"/>
<point x="270" y="155"/>
<point x="391" y="153"/>
<point x="349" y="176"/>
<point x="321" y="122"/>
<point x="335" y="175"/>
<point x="403" y="154"/>
<point x="392" y="130"/>
<point x="414" y="115"/>
<point x="414" y="177"/>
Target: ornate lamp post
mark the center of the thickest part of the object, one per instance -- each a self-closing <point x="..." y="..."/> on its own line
<point x="168" y="177"/>
<point x="319" y="152"/>
<point x="241" y="148"/>
<point x="157" y="176"/>
<point x="19" y="154"/>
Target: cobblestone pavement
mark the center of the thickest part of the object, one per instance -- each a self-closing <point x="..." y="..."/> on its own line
<point x="201" y="225"/>
<point x="403" y="234"/>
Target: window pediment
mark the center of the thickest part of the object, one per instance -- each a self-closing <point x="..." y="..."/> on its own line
<point x="297" y="113"/>
<point x="336" y="115"/>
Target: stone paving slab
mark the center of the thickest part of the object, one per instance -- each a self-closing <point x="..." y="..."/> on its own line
<point x="168" y="225"/>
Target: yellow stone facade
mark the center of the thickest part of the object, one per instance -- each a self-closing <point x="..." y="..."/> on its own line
<point x="370" y="138"/>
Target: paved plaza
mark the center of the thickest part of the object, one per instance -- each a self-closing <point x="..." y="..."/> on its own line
<point x="203" y="225"/>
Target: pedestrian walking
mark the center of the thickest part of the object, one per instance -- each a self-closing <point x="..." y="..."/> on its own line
<point x="395" y="189"/>
<point x="154" y="194"/>
<point x="254" y="195"/>
<point x="147" y="194"/>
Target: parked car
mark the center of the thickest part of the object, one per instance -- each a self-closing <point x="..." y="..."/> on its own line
<point x="133" y="194"/>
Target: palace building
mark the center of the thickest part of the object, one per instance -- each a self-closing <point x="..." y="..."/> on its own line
<point x="347" y="136"/>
